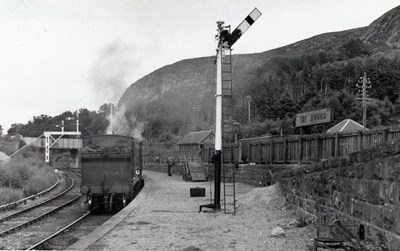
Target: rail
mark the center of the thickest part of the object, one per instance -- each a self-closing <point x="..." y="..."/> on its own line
<point x="32" y="197"/>
<point x="24" y="224"/>
<point x="39" y="204"/>
<point x="40" y="243"/>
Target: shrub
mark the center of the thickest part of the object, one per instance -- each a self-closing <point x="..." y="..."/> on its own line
<point x="39" y="180"/>
<point x="8" y="146"/>
<point x="8" y="195"/>
<point x="26" y="174"/>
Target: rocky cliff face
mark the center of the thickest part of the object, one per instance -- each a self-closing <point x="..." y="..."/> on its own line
<point x="385" y="31"/>
<point x="190" y="82"/>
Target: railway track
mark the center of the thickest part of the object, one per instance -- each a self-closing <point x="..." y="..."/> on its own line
<point x="32" y="226"/>
<point x="70" y="183"/>
<point x="73" y="232"/>
<point x="43" y="242"/>
<point x="15" y="204"/>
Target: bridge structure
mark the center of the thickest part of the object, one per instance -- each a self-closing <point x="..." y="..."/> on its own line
<point x="55" y="140"/>
<point x="65" y="144"/>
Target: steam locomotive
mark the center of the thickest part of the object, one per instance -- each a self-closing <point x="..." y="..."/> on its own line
<point x="111" y="176"/>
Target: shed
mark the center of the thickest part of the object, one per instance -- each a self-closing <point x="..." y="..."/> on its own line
<point x="191" y="146"/>
<point x="346" y="126"/>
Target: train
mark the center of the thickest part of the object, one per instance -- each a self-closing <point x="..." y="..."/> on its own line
<point x="111" y="175"/>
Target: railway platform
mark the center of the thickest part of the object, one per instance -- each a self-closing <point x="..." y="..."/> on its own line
<point x="164" y="217"/>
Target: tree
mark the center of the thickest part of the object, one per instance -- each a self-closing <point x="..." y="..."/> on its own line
<point x="15" y="127"/>
<point x="353" y="48"/>
<point x="286" y="107"/>
<point x="265" y="93"/>
<point x="1" y="130"/>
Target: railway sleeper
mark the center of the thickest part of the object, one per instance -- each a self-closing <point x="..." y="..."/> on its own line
<point x="40" y="217"/>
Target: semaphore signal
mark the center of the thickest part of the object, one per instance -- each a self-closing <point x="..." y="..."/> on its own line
<point x="228" y="39"/>
<point x="225" y="40"/>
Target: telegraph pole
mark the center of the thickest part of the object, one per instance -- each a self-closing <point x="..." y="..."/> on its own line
<point x="248" y="109"/>
<point x="364" y="103"/>
<point x="366" y="83"/>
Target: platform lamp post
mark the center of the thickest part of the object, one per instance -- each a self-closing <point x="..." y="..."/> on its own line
<point x="225" y="40"/>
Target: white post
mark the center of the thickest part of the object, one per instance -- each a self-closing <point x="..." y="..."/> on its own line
<point x="47" y="148"/>
<point x="218" y="94"/>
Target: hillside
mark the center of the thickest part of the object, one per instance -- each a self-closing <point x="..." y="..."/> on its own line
<point x="174" y="93"/>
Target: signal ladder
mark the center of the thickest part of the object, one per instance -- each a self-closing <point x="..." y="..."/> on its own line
<point x="228" y="171"/>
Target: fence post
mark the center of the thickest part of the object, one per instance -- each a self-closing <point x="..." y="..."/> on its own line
<point x="359" y="141"/>
<point x="271" y="152"/>
<point x="337" y="145"/>
<point x="386" y="135"/>
<point x="260" y="151"/>
<point x="318" y="150"/>
<point x="301" y="149"/>
<point x="249" y="156"/>
<point x="285" y="151"/>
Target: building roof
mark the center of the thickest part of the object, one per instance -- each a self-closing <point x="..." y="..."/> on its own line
<point x="195" y="137"/>
<point x="346" y="126"/>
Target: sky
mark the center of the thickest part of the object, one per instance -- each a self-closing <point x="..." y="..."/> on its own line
<point x="60" y="55"/>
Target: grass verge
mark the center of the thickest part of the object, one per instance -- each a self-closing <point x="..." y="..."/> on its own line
<point x="24" y="175"/>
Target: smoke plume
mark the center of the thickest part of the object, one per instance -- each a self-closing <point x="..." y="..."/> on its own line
<point x="109" y="79"/>
<point x="122" y="124"/>
<point x="110" y="72"/>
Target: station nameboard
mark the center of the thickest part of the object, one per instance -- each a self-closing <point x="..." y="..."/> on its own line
<point x="313" y="118"/>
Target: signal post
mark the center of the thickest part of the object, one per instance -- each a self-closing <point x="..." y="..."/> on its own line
<point x="225" y="40"/>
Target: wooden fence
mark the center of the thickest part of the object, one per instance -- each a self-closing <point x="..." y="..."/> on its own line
<point x="287" y="149"/>
<point x="306" y="148"/>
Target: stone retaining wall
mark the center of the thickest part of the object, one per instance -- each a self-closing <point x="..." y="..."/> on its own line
<point x="362" y="190"/>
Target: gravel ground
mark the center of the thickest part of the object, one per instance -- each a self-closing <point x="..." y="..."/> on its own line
<point x="164" y="217"/>
<point x="76" y="232"/>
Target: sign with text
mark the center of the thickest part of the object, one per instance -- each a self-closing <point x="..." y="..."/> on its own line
<point x="313" y="118"/>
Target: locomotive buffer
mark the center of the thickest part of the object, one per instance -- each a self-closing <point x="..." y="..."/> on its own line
<point x="223" y="116"/>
